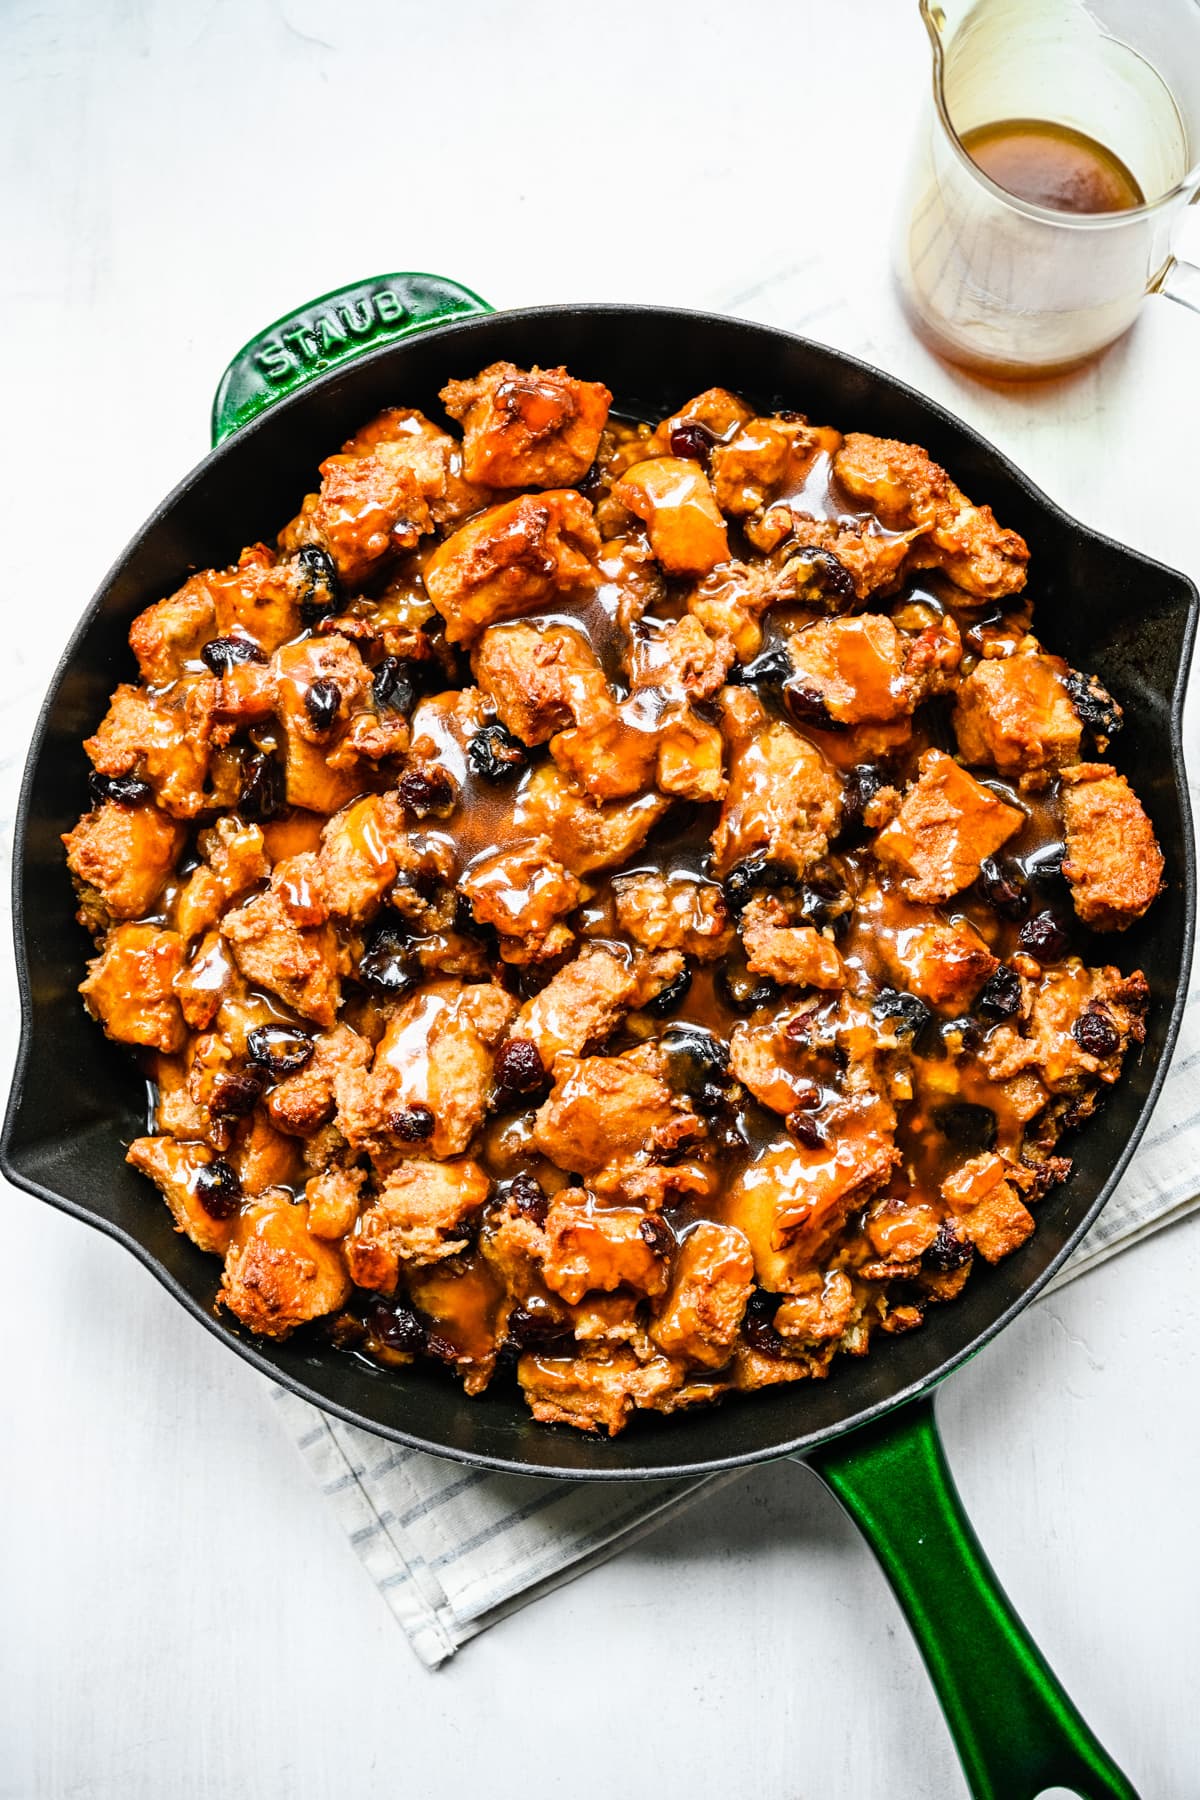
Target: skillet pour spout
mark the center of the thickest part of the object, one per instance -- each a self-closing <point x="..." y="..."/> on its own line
<point x="77" y="1100"/>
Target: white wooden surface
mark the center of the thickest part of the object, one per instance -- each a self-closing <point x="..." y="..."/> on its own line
<point x="181" y="1617"/>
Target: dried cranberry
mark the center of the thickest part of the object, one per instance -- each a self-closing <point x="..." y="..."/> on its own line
<point x="396" y="1326"/>
<point x="743" y="882"/>
<point x="1003" y="887"/>
<point x="808" y="706"/>
<point x="223" y="653"/>
<point x="693" y="441"/>
<point x="281" y="1049"/>
<point x="385" y="963"/>
<point x="670" y="998"/>
<point x="496" y="754"/>
<point x="1094" y="704"/>
<point x="948" y="1251"/>
<point x="320" y="591"/>
<point x="806" y="1130"/>
<point x="1000" y="995"/>
<point x="519" y="1070"/>
<point x="414" y="1124"/>
<point x="656" y="1234"/>
<point x="263" y="788"/>
<point x="1043" y="936"/>
<point x="321" y="702"/>
<point x="1095" y="1032"/>
<point x="234" y="1092"/>
<point x="126" y="790"/>
<point x="425" y="791"/>
<point x="529" y="1197"/>
<point x="757" y="1327"/>
<point x="972" y="1128"/>
<point x="218" y="1189"/>
<point x="906" y="1014"/>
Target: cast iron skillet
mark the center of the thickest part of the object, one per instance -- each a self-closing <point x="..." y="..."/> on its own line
<point x="289" y="397"/>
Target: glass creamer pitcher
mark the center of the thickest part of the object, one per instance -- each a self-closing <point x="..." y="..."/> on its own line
<point x="1013" y="288"/>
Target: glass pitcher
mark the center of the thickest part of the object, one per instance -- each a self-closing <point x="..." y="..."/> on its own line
<point x="1011" y="288"/>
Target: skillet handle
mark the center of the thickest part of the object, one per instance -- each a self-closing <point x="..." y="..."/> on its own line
<point x="1014" y="1727"/>
<point x="329" y="332"/>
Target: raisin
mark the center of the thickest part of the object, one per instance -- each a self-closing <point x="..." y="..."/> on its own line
<point x="693" y="441"/>
<point x="741" y="991"/>
<point x="280" y="1049"/>
<point x="960" y="1034"/>
<point x="1095" y="1032"/>
<point x="526" y="1329"/>
<point x="1003" y="887"/>
<point x="529" y="1197"/>
<point x="807" y="706"/>
<point x="396" y="1326"/>
<point x="862" y="784"/>
<point x="425" y="791"/>
<point x="822" y="573"/>
<point x="696" y="1061"/>
<point x="385" y="961"/>
<point x="972" y="1128"/>
<point x="1043" y="936"/>
<point x="757" y="1328"/>
<point x="670" y="998"/>
<point x="234" y="1093"/>
<point x="396" y="685"/>
<point x="1000" y="995"/>
<point x="413" y="1124"/>
<point x="496" y="754"/>
<point x="1046" y="865"/>
<point x="744" y="881"/>
<point x="218" y="1189"/>
<point x="223" y="653"/>
<point x="519" y="1070"/>
<point x="319" y="586"/>
<point x="823" y="903"/>
<point x="263" y="789"/>
<point x="906" y="1014"/>
<point x="1094" y="705"/>
<point x="126" y="790"/>
<point x="321" y="702"/>
<point x="948" y="1250"/>
<point x="769" y="670"/>
<point x="805" y="1129"/>
<point x="657" y="1234"/>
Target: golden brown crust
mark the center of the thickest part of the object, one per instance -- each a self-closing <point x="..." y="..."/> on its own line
<point x="661" y="1006"/>
<point x="1113" y="861"/>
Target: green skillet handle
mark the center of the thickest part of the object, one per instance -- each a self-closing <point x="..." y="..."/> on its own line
<point x="1014" y="1727"/>
<point x="330" y="332"/>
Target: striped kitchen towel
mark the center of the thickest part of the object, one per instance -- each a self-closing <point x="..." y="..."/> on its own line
<point x="453" y="1549"/>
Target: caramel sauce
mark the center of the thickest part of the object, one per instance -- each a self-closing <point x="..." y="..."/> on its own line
<point x="1053" y="165"/>
<point x="766" y="1179"/>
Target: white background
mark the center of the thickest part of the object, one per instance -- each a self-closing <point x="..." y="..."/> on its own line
<point x="180" y="1614"/>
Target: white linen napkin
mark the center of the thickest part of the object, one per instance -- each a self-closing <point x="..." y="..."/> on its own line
<point x="453" y="1549"/>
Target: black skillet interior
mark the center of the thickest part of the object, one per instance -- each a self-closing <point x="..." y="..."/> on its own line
<point x="78" y="1099"/>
